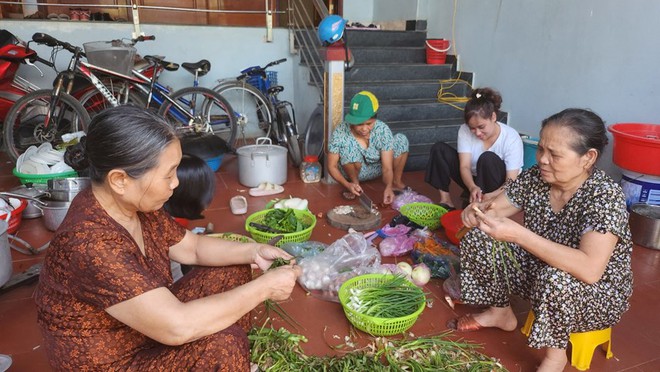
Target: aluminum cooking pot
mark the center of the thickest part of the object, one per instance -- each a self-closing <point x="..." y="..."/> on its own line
<point x="54" y="212"/>
<point x="645" y="225"/>
<point x="262" y="163"/>
<point x="65" y="189"/>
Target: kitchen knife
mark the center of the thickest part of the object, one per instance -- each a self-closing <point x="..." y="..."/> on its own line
<point x="366" y="202"/>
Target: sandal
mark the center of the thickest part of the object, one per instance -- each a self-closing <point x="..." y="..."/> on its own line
<point x="238" y="204"/>
<point x="465" y="323"/>
<point x="266" y="188"/>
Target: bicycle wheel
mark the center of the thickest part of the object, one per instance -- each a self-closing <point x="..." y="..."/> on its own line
<point x="30" y="121"/>
<point x="289" y="132"/>
<point x="252" y="110"/>
<point x="94" y="102"/>
<point x="200" y="110"/>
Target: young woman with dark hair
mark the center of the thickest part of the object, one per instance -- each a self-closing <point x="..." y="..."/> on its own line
<point x="487" y="153"/>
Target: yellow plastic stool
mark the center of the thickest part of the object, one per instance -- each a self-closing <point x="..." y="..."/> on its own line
<point x="583" y="343"/>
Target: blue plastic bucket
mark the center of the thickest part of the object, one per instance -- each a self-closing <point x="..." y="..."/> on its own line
<point x="214" y="162"/>
<point x="529" y="152"/>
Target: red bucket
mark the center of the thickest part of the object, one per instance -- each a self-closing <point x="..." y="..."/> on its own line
<point x="436" y="51"/>
<point x="637" y="147"/>
<point x="16" y="215"/>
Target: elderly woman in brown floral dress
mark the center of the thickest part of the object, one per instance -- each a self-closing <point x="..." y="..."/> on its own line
<point x="570" y="259"/>
<point x="106" y="299"/>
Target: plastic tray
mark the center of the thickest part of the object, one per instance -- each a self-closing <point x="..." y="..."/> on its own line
<point x="42" y="178"/>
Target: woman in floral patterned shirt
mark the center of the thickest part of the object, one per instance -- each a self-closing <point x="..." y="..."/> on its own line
<point x="570" y="259"/>
<point x="364" y="148"/>
<point x="106" y="299"/>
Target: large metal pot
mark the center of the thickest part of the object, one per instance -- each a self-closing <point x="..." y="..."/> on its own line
<point x="65" y="189"/>
<point x="262" y="163"/>
<point x="30" y="192"/>
<point x="645" y="225"/>
<point x="54" y="213"/>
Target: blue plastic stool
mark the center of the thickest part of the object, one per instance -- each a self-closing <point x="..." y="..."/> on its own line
<point x="583" y="343"/>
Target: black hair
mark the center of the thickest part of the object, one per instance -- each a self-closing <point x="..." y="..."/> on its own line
<point x="483" y="102"/>
<point x="195" y="191"/>
<point x="588" y="128"/>
<point x="123" y="137"/>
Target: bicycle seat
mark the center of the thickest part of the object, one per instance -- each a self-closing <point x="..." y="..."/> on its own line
<point x="169" y="66"/>
<point x="201" y="68"/>
<point x="276" y="89"/>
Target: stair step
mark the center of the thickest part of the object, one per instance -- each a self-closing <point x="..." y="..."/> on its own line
<point x="388" y="54"/>
<point x="413" y="89"/>
<point x="355" y="38"/>
<point x="408" y="110"/>
<point x="399" y="72"/>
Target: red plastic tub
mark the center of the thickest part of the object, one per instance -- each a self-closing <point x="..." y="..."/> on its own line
<point x="637" y="147"/>
<point x="452" y="222"/>
<point x="436" y="51"/>
<point x="16" y="215"/>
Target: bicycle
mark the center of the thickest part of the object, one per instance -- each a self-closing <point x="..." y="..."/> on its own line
<point x="188" y="109"/>
<point x="253" y="96"/>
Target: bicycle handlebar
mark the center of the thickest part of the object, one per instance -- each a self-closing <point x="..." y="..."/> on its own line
<point x="258" y="70"/>
<point x="143" y="38"/>
<point x="42" y="38"/>
<point x="275" y="63"/>
<point x="45" y="62"/>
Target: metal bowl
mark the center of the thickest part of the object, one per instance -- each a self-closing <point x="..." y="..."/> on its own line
<point x="54" y="213"/>
<point x="65" y="189"/>
<point x="645" y="225"/>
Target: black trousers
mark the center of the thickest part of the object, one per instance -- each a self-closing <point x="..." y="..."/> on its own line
<point x="444" y="166"/>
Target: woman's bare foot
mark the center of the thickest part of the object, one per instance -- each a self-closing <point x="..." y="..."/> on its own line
<point x="498" y="317"/>
<point x="555" y="360"/>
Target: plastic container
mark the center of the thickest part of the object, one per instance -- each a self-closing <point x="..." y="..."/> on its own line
<point x="452" y="222"/>
<point x="41" y="178"/>
<point x="637" y="147"/>
<point x="263" y="237"/>
<point x="15" y="216"/>
<point x="310" y="169"/>
<point x="111" y="55"/>
<point x="373" y="325"/>
<point x="424" y="214"/>
<point x="529" y="152"/>
<point x="640" y="188"/>
<point x="436" y="51"/>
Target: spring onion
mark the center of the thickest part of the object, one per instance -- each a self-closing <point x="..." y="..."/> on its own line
<point x="391" y="298"/>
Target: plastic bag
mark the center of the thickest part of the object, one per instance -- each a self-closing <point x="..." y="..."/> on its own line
<point x="347" y="257"/>
<point x="407" y="197"/>
<point x="394" y="246"/>
<point x="304" y="249"/>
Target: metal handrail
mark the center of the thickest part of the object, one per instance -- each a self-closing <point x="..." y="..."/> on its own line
<point x="304" y="39"/>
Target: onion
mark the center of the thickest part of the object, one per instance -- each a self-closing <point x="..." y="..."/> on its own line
<point x="405" y="267"/>
<point x="421" y="274"/>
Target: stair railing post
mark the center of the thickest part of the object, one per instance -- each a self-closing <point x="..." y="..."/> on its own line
<point x="333" y="97"/>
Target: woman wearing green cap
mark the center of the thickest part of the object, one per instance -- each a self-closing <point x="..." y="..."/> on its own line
<point x="364" y="148"/>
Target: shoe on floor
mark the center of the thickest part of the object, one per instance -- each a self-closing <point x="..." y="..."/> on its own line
<point x="238" y="204"/>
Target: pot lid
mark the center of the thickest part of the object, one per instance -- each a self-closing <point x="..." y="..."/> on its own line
<point x="267" y="149"/>
<point x="29" y="190"/>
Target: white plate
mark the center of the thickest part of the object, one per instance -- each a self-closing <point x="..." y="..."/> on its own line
<point x="39" y="159"/>
<point x="28" y="167"/>
<point x="19" y="161"/>
<point x="44" y="147"/>
<point x="50" y="158"/>
<point x="30" y="151"/>
<point x="60" y="167"/>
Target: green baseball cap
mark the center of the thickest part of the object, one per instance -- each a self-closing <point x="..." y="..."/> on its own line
<point x="363" y="107"/>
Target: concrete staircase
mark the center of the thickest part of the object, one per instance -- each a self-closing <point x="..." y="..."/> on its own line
<point x="392" y="65"/>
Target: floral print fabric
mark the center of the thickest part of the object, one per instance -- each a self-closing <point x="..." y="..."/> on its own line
<point x="381" y="139"/>
<point x="562" y="304"/>
<point x="93" y="263"/>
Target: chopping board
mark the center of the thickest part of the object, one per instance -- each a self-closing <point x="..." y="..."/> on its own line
<point x="358" y="218"/>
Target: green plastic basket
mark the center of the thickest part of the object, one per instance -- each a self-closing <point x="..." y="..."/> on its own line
<point x="42" y="178"/>
<point x="263" y="237"/>
<point x="372" y="325"/>
<point x="424" y="214"/>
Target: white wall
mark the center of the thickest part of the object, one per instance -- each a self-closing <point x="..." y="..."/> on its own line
<point x="359" y="11"/>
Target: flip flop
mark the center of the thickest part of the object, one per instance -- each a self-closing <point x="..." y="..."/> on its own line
<point x="465" y="323"/>
<point x="238" y="204"/>
<point x="266" y="188"/>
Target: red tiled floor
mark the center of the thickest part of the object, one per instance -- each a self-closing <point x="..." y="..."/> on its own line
<point x="636" y="340"/>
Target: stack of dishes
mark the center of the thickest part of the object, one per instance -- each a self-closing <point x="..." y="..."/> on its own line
<point x="42" y="160"/>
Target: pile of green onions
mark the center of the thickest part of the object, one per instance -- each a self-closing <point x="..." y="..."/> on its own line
<point x="503" y="251"/>
<point x="394" y="297"/>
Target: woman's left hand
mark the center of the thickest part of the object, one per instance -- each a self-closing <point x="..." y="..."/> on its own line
<point x="388" y="196"/>
<point x="266" y="254"/>
<point x="500" y="228"/>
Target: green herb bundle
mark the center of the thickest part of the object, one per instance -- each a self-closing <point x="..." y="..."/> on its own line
<point x="503" y="251"/>
<point x="392" y="298"/>
<point x="284" y="220"/>
<point x="279" y="350"/>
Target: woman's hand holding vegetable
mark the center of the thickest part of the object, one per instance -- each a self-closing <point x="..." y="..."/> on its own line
<point x="500" y="228"/>
<point x="264" y="256"/>
<point x="279" y="282"/>
<point x="355" y="188"/>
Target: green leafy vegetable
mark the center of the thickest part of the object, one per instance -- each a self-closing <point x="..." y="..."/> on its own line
<point x="284" y="220"/>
